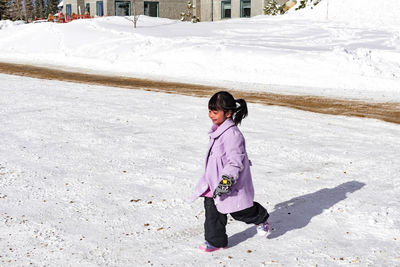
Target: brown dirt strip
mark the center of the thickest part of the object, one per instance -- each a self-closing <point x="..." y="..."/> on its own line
<point x="389" y="112"/>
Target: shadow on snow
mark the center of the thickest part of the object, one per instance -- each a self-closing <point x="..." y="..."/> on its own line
<point x="297" y="212"/>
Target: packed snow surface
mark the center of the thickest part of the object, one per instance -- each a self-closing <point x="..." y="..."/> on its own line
<point x="97" y="176"/>
<point x="339" y="48"/>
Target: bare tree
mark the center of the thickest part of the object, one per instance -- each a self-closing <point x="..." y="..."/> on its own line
<point x="28" y="10"/>
<point x="15" y="10"/>
<point x="39" y="9"/>
<point x="134" y="14"/>
<point x="3" y="9"/>
<point x="51" y="7"/>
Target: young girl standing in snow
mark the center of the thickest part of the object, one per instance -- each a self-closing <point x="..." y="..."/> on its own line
<point x="226" y="185"/>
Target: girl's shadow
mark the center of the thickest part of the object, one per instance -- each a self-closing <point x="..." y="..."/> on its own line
<point x="298" y="212"/>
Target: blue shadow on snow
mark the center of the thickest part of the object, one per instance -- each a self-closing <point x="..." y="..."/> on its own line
<point x="297" y="212"/>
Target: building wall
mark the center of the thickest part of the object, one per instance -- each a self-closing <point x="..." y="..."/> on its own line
<point x="197" y="8"/>
<point x="235" y="8"/>
<point x="80" y="7"/>
<point x="73" y="3"/>
<point x="109" y="8"/>
<point x="212" y="14"/>
<point x="74" y="6"/>
<point x="257" y="7"/>
<point x="139" y="7"/>
<point x="210" y="10"/>
<point x="167" y="8"/>
<point x="172" y="8"/>
<point x="204" y="10"/>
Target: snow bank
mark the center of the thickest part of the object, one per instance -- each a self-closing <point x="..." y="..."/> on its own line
<point x="8" y="23"/>
<point x="374" y="13"/>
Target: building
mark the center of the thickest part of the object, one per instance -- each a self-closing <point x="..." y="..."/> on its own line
<point x="212" y="10"/>
<point x="161" y="8"/>
<point x="205" y="10"/>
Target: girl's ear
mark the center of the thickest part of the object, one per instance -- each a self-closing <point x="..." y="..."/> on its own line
<point x="228" y="114"/>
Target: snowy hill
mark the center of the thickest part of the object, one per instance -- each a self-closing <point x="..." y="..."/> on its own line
<point x="374" y="14"/>
<point x="352" y="54"/>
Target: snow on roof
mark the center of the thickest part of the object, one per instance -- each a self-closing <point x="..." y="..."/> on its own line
<point x="61" y="4"/>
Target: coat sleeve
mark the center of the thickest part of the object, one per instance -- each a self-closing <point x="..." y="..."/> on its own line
<point x="235" y="153"/>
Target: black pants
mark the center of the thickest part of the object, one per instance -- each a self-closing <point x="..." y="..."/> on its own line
<point x="215" y="223"/>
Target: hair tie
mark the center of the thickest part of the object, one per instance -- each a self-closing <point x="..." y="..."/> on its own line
<point x="237" y="103"/>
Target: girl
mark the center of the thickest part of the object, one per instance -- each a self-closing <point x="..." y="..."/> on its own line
<point x="226" y="184"/>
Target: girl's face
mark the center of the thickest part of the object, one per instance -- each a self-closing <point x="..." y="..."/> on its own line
<point x="218" y="116"/>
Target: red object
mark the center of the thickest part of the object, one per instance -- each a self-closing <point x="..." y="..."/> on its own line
<point x="64" y="18"/>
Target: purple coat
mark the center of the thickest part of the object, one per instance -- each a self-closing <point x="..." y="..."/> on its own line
<point x="226" y="155"/>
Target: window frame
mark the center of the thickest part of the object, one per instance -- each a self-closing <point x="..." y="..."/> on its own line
<point x="122" y="1"/>
<point x="151" y="2"/>
<point x="68" y="7"/>
<point x="97" y="8"/>
<point x="242" y="8"/>
<point x="223" y="3"/>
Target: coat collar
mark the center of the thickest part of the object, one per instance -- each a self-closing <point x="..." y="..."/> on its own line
<point x="216" y="130"/>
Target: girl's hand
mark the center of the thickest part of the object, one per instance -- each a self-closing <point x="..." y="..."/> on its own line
<point x="224" y="186"/>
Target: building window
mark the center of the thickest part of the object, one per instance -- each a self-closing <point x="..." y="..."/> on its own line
<point x="245" y="8"/>
<point x="99" y="8"/>
<point x="226" y="9"/>
<point x="151" y="9"/>
<point x="122" y="8"/>
<point x="68" y="9"/>
<point x="87" y="8"/>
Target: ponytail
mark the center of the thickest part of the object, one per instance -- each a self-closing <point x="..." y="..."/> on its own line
<point x="224" y="101"/>
<point x="241" y="112"/>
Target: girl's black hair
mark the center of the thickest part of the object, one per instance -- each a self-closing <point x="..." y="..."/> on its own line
<point x="224" y="101"/>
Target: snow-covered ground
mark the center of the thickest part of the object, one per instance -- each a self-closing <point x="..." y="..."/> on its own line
<point x="340" y="48"/>
<point x="92" y="176"/>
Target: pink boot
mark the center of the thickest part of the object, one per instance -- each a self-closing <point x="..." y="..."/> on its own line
<point x="207" y="247"/>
